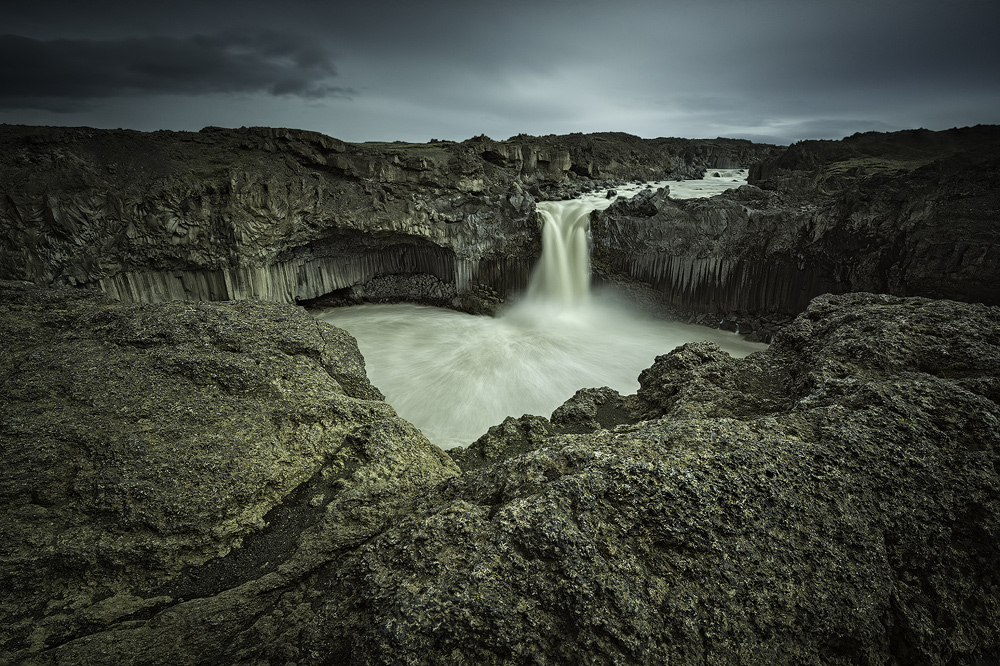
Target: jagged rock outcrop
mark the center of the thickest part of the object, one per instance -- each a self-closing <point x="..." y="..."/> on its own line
<point x="589" y="410"/>
<point x="174" y="475"/>
<point x="908" y="213"/>
<point x="564" y="165"/>
<point x="220" y="484"/>
<point x="289" y="215"/>
<point x="512" y="437"/>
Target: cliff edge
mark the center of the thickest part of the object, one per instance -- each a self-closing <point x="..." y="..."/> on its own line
<point x="910" y="213"/>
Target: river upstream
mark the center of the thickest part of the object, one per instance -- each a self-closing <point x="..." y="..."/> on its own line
<point x="454" y="375"/>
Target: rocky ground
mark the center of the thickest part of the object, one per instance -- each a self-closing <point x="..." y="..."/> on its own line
<point x="219" y="484"/>
<point x="173" y="473"/>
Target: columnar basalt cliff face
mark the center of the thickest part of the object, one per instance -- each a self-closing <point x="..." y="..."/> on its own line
<point x="911" y="213"/>
<point x="255" y="213"/>
<point x="287" y="215"/>
<point x="218" y="483"/>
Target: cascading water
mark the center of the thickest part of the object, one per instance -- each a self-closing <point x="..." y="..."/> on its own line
<point x="454" y="375"/>
<point x="562" y="275"/>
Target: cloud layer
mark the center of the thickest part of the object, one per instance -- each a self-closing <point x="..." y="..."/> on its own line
<point x="777" y="70"/>
<point x="66" y="75"/>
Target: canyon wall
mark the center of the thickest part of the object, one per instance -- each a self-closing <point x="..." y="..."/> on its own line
<point x="291" y="216"/>
<point x="618" y="156"/>
<point x="288" y="215"/>
<point x="255" y="213"/>
<point x="908" y="213"/>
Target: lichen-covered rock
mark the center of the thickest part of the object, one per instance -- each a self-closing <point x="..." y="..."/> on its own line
<point x="834" y="499"/>
<point x="594" y="409"/>
<point x="220" y="484"/>
<point x="173" y="474"/>
<point x="698" y="379"/>
<point x="510" y="438"/>
<point x="588" y="410"/>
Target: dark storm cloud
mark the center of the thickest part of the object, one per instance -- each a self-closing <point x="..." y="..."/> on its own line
<point x="783" y="69"/>
<point x="64" y="75"/>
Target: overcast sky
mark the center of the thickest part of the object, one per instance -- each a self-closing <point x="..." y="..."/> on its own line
<point x="767" y="70"/>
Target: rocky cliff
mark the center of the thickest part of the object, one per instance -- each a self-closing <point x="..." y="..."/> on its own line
<point x="563" y="165"/>
<point x="194" y="483"/>
<point x="280" y="215"/>
<point x="908" y="213"/>
<point x="287" y="215"/>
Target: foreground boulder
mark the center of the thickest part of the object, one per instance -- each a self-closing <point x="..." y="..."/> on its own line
<point x="219" y="484"/>
<point x="173" y="474"/>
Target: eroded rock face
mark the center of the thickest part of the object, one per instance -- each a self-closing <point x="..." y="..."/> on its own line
<point x="288" y="215"/>
<point x="280" y="215"/>
<point x="908" y="213"/>
<point x="561" y="165"/>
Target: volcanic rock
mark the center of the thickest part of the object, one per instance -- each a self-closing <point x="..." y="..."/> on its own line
<point x="834" y="499"/>
<point x="906" y="213"/>
<point x="174" y="473"/>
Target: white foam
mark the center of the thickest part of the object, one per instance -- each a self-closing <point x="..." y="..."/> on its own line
<point x="454" y="375"/>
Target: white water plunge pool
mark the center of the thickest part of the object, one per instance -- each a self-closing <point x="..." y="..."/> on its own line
<point x="454" y="375"/>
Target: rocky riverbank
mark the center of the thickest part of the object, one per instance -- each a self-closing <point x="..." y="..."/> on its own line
<point x="219" y="483"/>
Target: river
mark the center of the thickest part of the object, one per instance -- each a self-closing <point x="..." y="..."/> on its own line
<point x="453" y="375"/>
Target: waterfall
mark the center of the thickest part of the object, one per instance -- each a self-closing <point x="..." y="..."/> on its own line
<point x="562" y="276"/>
<point x="454" y="375"/>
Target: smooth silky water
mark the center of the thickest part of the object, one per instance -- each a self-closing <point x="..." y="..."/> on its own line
<point x="454" y="375"/>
